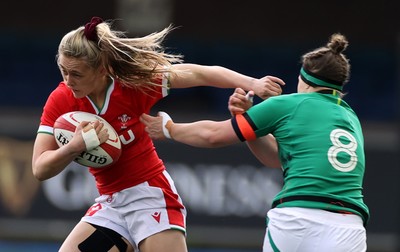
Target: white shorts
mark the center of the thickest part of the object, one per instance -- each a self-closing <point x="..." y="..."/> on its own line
<point x="305" y="229"/>
<point x="140" y="211"/>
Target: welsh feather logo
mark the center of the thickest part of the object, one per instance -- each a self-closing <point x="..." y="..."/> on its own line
<point x="124" y="119"/>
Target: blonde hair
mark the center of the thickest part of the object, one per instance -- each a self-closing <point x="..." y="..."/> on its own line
<point x="135" y="62"/>
<point x="329" y="62"/>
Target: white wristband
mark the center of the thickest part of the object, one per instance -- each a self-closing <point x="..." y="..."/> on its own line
<point x="90" y="138"/>
<point x="165" y="119"/>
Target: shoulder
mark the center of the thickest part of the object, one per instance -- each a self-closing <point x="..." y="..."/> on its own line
<point x="61" y="90"/>
<point x="60" y="101"/>
<point x="283" y="100"/>
<point x="279" y="106"/>
<point x="296" y="99"/>
<point x="61" y="96"/>
<point x="287" y="97"/>
<point x="158" y="84"/>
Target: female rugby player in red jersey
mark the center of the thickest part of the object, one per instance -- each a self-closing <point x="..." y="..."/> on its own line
<point x="119" y="78"/>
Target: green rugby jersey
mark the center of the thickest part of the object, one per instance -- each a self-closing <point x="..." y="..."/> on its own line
<point x="321" y="148"/>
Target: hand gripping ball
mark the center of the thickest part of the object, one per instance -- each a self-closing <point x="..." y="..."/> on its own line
<point x="103" y="155"/>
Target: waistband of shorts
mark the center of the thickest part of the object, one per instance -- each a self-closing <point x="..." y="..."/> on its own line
<point x="328" y="200"/>
<point x="317" y="215"/>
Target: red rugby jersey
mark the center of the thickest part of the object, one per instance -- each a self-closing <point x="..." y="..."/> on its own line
<point x="123" y="106"/>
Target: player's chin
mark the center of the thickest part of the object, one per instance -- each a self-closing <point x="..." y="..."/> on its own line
<point x="78" y="94"/>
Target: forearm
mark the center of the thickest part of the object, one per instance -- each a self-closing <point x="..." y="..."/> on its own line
<point x="51" y="162"/>
<point x="205" y="134"/>
<point x="191" y="75"/>
<point x="225" y="78"/>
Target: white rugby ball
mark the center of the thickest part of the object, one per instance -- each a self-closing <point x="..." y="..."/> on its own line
<point x="104" y="155"/>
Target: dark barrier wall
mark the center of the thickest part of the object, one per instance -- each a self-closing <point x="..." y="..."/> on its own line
<point x="371" y="23"/>
<point x="256" y="38"/>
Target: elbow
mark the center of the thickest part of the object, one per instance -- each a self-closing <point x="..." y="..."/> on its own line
<point x="276" y="164"/>
<point x="273" y="161"/>
<point x="270" y="163"/>
<point x="38" y="174"/>
<point x="41" y="179"/>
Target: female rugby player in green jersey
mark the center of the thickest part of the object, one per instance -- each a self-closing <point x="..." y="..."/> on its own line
<point x="315" y="137"/>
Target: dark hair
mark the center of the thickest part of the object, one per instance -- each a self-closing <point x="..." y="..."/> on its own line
<point x="329" y="62"/>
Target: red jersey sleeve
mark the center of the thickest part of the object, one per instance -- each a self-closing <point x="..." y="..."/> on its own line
<point x="60" y="101"/>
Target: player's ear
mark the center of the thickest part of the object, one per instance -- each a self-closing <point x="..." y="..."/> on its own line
<point x="102" y="70"/>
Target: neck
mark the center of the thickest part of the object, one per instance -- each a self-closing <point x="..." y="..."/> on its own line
<point x="99" y="95"/>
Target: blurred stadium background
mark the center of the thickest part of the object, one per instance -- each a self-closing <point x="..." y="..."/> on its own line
<point x="226" y="190"/>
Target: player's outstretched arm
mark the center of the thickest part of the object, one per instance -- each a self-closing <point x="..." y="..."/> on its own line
<point x="191" y="75"/>
<point x="205" y="134"/>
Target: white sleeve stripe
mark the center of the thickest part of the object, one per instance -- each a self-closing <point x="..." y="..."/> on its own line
<point x="45" y="129"/>
<point x="165" y="84"/>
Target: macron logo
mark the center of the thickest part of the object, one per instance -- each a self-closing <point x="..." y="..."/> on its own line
<point x="93" y="209"/>
<point x="156" y="216"/>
